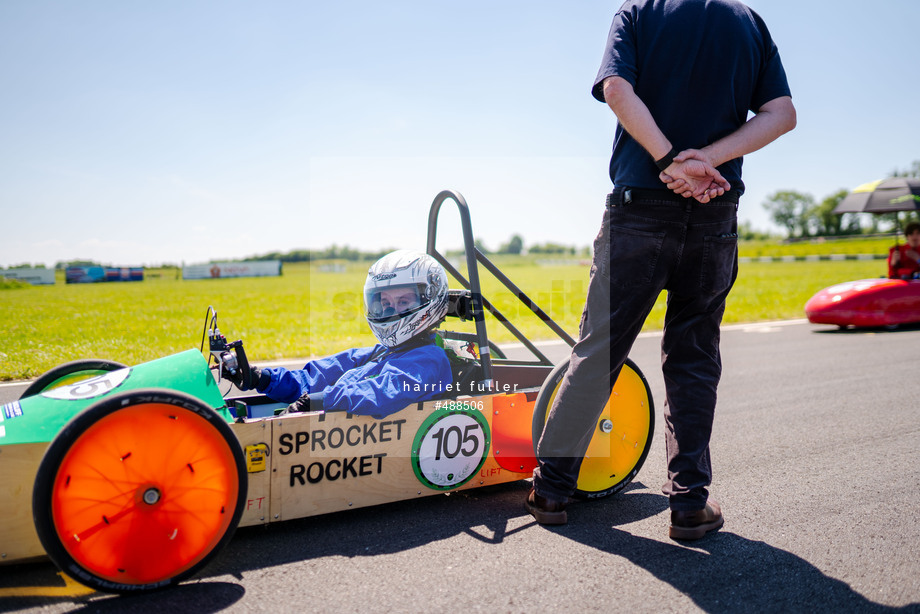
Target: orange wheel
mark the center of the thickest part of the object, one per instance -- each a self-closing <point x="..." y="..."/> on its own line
<point x="139" y="491"/>
<point x="622" y="436"/>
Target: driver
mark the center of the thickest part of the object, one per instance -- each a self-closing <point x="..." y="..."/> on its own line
<point x="904" y="260"/>
<point x="405" y="298"/>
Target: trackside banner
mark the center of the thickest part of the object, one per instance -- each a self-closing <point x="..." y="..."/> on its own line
<point x="33" y="276"/>
<point x="216" y="270"/>
<point x="95" y="274"/>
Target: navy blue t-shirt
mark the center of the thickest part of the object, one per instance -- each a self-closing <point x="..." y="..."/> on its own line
<point x="699" y="66"/>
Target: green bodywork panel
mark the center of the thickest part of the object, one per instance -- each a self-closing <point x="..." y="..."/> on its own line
<point x="39" y="418"/>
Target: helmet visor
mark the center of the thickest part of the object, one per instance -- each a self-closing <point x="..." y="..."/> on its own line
<point x="393" y="302"/>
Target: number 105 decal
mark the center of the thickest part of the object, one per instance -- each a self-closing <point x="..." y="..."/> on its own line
<point x="450" y="447"/>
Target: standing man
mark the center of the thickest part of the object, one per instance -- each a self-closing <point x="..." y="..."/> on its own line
<point x="681" y="76"/>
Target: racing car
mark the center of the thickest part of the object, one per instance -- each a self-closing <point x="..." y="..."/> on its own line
<point x="132" y="478"/>
<point x="866" y="303"/>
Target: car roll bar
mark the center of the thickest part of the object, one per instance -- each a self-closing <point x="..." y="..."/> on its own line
<point x="478" y="303"/>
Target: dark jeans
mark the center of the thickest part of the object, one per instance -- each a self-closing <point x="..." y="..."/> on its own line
<point x="650" y="240"/>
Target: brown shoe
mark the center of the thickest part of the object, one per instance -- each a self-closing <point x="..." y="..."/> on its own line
<point x="696" y="524"/>
<point x="546" y="511"/>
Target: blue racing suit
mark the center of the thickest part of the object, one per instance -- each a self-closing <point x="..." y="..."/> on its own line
<point x="374" y="381"/>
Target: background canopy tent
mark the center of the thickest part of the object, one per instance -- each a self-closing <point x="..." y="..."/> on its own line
<point x="883" y="196"/>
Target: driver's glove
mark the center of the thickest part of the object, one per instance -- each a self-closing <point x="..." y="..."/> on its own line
<point x="306" y="402"/>
<point x="299" y="406"/>
<point x="240" y="380"/>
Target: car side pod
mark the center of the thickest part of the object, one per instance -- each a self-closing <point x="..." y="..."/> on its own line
<point x="866" y="303"/>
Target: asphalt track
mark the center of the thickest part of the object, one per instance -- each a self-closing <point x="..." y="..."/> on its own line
<point x="815" y="453"/>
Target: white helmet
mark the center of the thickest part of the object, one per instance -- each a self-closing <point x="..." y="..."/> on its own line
<point x="405" y="295"/>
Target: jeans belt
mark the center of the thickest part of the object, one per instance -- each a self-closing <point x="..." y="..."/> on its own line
<point x="622" y="196"/>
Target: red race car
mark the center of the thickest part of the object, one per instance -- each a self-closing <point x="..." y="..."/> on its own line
<point x="866" y="303"/>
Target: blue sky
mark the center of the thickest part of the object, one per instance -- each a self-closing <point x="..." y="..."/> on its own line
<point x="137" y="133"/>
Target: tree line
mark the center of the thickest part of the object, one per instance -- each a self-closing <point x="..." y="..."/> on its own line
<point x="514" y="246"/>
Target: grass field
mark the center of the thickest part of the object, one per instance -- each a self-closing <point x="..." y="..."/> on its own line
<point x="311" y="311"/>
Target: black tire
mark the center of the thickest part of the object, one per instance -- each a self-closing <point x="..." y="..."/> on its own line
<point x="69" y="373"/>
<point x="139" y="491"/>
<point x="632" y="418"/>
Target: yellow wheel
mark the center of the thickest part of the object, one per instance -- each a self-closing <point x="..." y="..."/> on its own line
<point x="139" y="491"/>
<point x="622" y="436"/>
